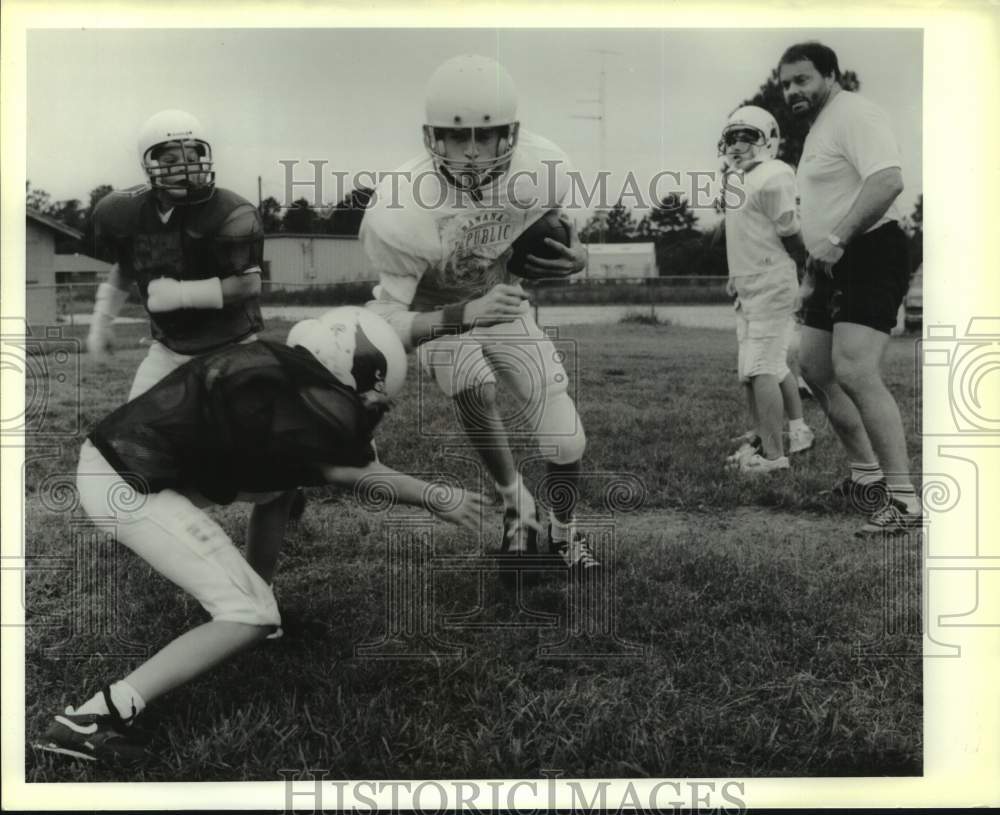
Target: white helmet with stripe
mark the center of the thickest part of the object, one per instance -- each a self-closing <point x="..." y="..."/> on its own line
<point x="357" y="346"/>
<point x="751" y="135"/>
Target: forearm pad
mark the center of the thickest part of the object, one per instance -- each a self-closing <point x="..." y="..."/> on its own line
<point x="201" y="293"/>
<point x="108" y="302"/>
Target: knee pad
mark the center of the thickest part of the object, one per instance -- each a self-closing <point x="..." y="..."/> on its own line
<point x="559" y="431"/>
<point x="456" y="364"/>
<point x="180" y="542"/>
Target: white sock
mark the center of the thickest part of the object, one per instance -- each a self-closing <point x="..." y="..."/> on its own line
<point x="126" y="699"/>
<point x="796" y="424"/>
<point x="907" y="496"/>
<point x="863" y="473"/>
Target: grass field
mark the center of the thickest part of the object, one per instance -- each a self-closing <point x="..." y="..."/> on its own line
<point x="739" y="608"/>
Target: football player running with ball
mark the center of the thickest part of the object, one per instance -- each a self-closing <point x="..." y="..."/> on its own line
<point x="439" y="234"/>
<point x="763" y="250"/>
<point x="237" y="424"/>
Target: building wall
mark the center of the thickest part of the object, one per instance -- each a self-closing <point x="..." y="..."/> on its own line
<point x="314" y="259"/>
<point x="605" y="261"/>
<point x="40" y="276"/>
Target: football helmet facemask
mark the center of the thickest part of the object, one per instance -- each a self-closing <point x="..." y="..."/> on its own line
<point x="187" y="179"/>
<point x="755" y="127"/>
<point x="471" y="93"/>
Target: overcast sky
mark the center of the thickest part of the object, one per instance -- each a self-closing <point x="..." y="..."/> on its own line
<point x="354" y="98"/>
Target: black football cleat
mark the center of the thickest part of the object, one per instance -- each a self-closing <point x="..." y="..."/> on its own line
<point x="866" y="498"/>
<point x="106" y="738"/>
<point x="576" y="553"/>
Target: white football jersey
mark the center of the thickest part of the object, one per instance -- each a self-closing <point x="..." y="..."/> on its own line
<point x="432" y="244"/>
<point x="755" y="227"/>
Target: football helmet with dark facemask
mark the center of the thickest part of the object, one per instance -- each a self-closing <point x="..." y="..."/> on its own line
<point x="755" y="127"/>
<point x="176" y="157"/>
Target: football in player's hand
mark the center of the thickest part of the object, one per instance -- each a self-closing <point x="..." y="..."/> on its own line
<point x="532" y="242"/>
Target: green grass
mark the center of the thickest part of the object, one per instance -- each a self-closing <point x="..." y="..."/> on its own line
<point x="747" y="602"/>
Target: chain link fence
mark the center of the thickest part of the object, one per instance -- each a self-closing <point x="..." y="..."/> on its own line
<point x="74" y="302"/>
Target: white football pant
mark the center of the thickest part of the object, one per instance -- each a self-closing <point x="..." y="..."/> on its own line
<point x="179" y="540"/>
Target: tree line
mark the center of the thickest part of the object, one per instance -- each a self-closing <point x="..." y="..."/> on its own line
<point x="682" y="247"/>
<point x="301" y="217"/>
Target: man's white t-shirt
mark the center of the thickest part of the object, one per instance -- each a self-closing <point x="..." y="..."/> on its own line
<point x="754" y="228"/>
<point x="850" y="140"/>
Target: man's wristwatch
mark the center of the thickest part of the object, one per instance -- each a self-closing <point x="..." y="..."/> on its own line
<point x="835" y="241"/>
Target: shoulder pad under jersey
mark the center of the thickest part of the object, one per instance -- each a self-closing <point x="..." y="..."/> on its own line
<point x="225" y="214"/>
<point x="770" y="172"/>
<point x="118" y="212"/>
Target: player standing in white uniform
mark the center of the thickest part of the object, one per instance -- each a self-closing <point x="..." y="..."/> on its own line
<point x="438" y="233"/>
<point x="763" y="241"/>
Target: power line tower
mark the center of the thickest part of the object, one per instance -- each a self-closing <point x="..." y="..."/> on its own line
<point x="601" y="117"/>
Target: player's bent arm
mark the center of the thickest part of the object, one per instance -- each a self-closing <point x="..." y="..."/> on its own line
<point x="168" y="294"/>
<point x="119" y="280"/>
<point x="452" y="504"/>
<point x="501" y="304"/>
<point x="108" y="302"/>
<point x="241" y="287"/>
<point x="877" y="194"/>
<point x="796" y="249"/>
<point x="111" y="296"/>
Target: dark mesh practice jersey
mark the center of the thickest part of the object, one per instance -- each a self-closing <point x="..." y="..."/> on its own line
<point x="220" y="237"/>
<point x="256" y="417"/>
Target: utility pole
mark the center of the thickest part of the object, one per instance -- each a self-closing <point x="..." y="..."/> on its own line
<point x="602" y="117"/>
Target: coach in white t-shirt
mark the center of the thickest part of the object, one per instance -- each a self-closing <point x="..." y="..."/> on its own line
<point x="848" y="178"/>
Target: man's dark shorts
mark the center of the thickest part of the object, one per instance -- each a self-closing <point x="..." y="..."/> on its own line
<point x="869" y="283"/>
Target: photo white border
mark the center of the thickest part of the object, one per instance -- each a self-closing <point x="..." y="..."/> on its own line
<point x="961" y="92"/>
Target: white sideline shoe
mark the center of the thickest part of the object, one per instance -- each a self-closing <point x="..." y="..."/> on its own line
<point x="800" y="440"/>
<point x="749" y="443"/>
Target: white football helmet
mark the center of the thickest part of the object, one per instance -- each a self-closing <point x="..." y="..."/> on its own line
<point x="185" y="182"/>
<point x="471" y="93"/>
<point x="357" y="346"/>
<point x="764" y="129"/>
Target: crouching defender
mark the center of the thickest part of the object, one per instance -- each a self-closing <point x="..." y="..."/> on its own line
<point x="239" y="424"/>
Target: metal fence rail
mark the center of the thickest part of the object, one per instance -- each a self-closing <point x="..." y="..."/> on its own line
<point x="75" y="300"/>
